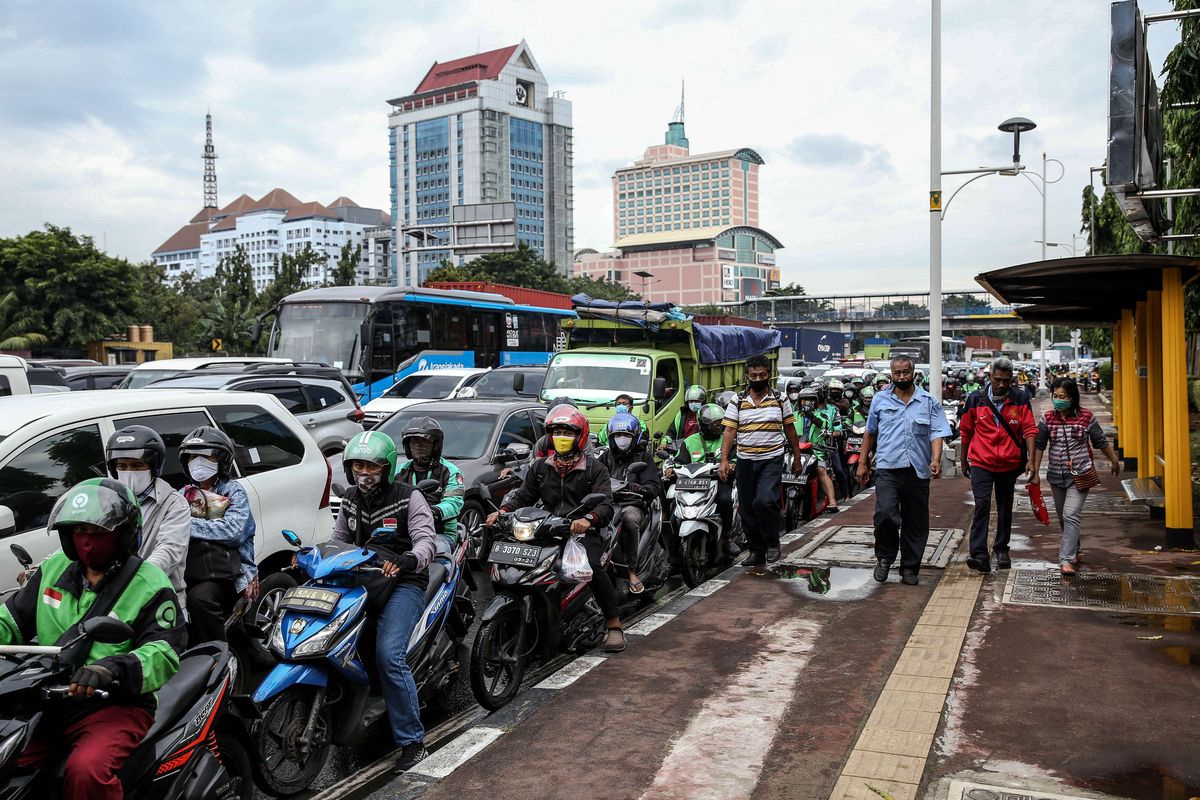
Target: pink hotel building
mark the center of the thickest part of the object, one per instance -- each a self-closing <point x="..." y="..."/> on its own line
<point x="691" y="221"/>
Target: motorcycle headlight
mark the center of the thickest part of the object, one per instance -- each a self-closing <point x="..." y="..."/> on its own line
<point x="275" y="644"/>
<point x="690" y="512"/>
<point x="323" y="641"/>
<point x="9" y="746"/>
<point x="524" y="531"/>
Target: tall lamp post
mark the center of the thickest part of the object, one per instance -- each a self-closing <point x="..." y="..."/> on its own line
<point x="645" y="276"/>
<point x="1042" y="390"/>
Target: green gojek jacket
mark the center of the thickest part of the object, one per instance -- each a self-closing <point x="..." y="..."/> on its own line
<point x="58" y="596"/>
<point x="819" y="427"/>
<point x="697" y="448"/>
<point x="453" y="490"/>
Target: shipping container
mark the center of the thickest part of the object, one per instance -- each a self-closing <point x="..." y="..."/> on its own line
<point x="518" y="294"/>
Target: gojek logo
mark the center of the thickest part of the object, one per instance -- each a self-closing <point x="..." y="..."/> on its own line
<point x="80" y="500"/>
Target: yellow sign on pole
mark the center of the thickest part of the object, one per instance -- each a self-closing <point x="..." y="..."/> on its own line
<point x="218" y="344"/>
<point x="935" y="201"/>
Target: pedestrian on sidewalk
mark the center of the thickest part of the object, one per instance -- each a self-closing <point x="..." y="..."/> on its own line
<point x="905" y="429"/>
<point x="998" y="431"/>
<point x="760" y="423"/>
<point x="1072" y="433"/>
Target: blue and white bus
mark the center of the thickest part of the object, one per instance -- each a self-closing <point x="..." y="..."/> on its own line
<point x="377" y="334"/>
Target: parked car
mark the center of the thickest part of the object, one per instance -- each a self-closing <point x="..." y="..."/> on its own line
<point x="49" y="443"/>
<point x="320" y="397"/>
<point x="429" y="384"/>
<point x="477" y="434"/>
<point x="511" y="382"/>
<point x="88" y="378"/>
<point x="18" y="376"/>
<point x="845" y="374"/>
<point x="151" y="371"/>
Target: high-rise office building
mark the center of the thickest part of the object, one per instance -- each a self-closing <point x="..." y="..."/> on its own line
<point x="486" y="133"/>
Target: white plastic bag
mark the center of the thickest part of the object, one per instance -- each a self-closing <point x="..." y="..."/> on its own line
<point x="575" y="567"/>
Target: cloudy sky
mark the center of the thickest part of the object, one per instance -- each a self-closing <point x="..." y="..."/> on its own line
<point x="102" y="111"/>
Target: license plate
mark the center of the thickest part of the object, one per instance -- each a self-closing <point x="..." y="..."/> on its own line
<point x="309" y="598"/>
<point x="521" y="555"/>
<point x="854" y="441"/>
<point x="692" y="484"/>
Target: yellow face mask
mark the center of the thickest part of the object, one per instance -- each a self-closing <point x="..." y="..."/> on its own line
<point x="563" y="444"/>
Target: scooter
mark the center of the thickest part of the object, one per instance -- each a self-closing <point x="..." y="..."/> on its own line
<point x="653" y="566"/>
<point x="854" y="454"/>
<point x="534" y="610"/>
<point x="320" y="694"/>
<point x="696" y="519"/>
<point x="198" y="746"/>
<point x="952" y="410"/>
<point x="803" y="499"/>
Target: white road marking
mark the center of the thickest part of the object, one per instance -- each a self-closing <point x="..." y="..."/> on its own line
<point x="570" y="673"/>
<point x="453" y="755"/>
<point x="708" y="587"/>
<point x="789" y="538"/>
<point x="650" y="624"/>
<point x="720" y="754"/>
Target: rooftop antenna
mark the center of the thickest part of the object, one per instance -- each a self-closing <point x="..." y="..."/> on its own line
<point x="210" y="164"/>
<point x="679" y="111"/>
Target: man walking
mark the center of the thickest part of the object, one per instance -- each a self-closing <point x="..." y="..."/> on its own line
<point x="905" y="429"/>
<point x="759" y="422"/>
<point x="998" y="433"/>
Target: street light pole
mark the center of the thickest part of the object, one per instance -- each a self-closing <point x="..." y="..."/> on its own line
<point x="1042" y="361"/>
<point x="935" y="202"/>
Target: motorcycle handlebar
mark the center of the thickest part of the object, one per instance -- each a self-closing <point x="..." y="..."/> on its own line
<point x="62" y="691"/>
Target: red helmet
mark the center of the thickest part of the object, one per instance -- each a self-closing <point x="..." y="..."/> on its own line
<point x="565" y="416"/>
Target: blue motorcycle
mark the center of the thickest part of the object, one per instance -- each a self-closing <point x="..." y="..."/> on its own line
<point x="320" y="694"/>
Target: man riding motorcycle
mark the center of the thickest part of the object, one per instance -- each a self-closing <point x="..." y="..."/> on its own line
<point x="98" y="571"/>
<point x="687" y="419"/>
<point x="422" y="441"/>
<point x="627" y="446"/>
<point x="698" y="447"/>
<point x="969" y="383"/>
<point x="560" y="481"/>
<point x="377" y="500"/>
<point x="834" y="433"/>
<point x="817" y="426"/>
<point x="622" y="404"/>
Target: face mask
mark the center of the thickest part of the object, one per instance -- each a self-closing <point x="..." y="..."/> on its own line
<point x="623" y="441"/>
<point x="367" y="483"/>
<point x="806" y="407"/>
<point x="202" y="468"/>
<point x="695" y="407"/>
<point x="138" y="480"/>
<point x="1061" y="405"/>
<point x="96" y="550"/>
<point x="903" y="386"/>
<point x="793" y="396"/>
<point x="563" y="444"/>
<point x="622" y="408"/>
<point x="759" y="386"/>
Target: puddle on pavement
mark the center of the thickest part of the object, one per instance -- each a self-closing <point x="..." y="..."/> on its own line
<point x="830" y="583"/>
<point x="1166" y="622"/>
<point x="1149" y="781"/>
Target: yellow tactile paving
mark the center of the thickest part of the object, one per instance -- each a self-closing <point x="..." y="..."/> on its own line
<point x="892" y="749"/>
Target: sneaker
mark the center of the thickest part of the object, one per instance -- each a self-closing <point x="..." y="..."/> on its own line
<point x="909" y="578"/>
<point x="772" y="555"/>
<point x="882" y="566"/>
<point x="1002" y="560"/>
<point x="979" y="564"/>
<point x="755" y="560"/>
<point x="410" y="755"/>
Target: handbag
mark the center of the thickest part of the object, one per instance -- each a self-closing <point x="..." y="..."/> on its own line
<point x="1000" y="421"/>
<point x="1083" y="480"/>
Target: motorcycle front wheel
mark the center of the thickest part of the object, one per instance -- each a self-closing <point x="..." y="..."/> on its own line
<point x="693" y="559"/>
<point x="287" y="765"/>
<point x="499" y="657"/>
<point x="236" y="762"/>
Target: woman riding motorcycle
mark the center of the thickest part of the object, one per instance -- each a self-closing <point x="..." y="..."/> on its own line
<point x="627" y="446"/>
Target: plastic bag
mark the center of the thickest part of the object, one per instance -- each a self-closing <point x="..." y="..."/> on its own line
<point x="1038" y="504"/>
<point x="575" y="567"/>
<point x="205" y="504"/>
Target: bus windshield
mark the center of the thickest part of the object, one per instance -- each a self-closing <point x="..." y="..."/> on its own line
<point x="326" y="332"/>
<point x="596" y="377"/>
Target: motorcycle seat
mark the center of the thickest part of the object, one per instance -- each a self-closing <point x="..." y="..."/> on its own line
<point x="437" y="576"/>
<point x="178" y="694"/>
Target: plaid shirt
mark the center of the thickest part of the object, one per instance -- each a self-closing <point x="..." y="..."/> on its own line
<point x="1071" y="441"/>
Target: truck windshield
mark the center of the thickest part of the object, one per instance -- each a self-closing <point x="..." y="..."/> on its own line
<point x="596" y="377"/>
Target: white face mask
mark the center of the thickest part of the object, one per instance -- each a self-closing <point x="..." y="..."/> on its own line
<point x="201" y="468"/>
<point x="695" y="407"/>
<point x="622" y="441"/>
<point x="138" y="480"/>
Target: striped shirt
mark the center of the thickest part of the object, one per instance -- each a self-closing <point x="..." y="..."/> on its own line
<point x="1071" y="441"/>
<point x="759" y="426"/>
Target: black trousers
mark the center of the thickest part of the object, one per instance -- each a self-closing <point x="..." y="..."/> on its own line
<point x="758" y="485"/>
<point x="209" y="605"/>
<point x="632" y="517"/>
<point x="601" y="584"/>
<point x="983" y="483"/>
<point x="901" y="517"/>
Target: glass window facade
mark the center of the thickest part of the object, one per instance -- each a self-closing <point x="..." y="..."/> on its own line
<point x="526" y="158"/>
<point x="431" y="176"/>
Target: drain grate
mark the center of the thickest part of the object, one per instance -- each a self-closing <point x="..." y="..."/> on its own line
<point x="1104" y="591"/>
<point x="964" y="790"/>
<point x="854" y="545"/>
<point x="1097" y="503"/>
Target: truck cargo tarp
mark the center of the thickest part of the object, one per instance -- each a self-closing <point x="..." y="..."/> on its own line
<point x="732" y="342"/>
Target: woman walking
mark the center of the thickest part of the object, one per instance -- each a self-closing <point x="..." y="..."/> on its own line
<point x="1072" y="433"/>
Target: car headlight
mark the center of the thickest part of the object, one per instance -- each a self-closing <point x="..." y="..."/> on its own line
<point x="524" y="531"/>
<point x="323" y="641"/>
<point x="10" y="746"/>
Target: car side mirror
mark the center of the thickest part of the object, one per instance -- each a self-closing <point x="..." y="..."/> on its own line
<point x="107" y="630"/>
<point x="22" y="555"/>
<point x="255" y="332"/>
<point x="292" y="538"/>
<point x="519" y="382"/>
<point x="8" y="521"/>
<point x="660" y="390"/>
<point x="514" y="452"/>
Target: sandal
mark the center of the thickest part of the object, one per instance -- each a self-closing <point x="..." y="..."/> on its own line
<point x="832" y="509"/>
<point x="614" y="641"/>
<point x="1066" y="568"/>
<point x="636" y="586"/>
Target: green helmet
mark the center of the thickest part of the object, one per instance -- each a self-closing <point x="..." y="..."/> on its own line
<point x="710" y="418"/>
<point x="102" y="502"/>
<point x="696" y="394"/>
<point x="373" y="446"/>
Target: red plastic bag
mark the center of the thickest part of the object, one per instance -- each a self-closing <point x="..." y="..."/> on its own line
<point x="1039" y="505"/>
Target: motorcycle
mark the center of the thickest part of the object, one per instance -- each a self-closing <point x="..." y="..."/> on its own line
<point x="485" y="496"/>
<point x="320" y="694"/>
<point x="696" y="520"/>
<point x="854" y="455"/>
<point x="803" y="499"/>
<point x="197" y="747"/>
<point x="952" y="410"/>
<point x="534" y="610"/>
<point x="653" y="567"/>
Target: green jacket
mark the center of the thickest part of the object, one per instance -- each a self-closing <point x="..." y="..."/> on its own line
<point x="58" y="596"/>
<point x="820" y="428"/>
<point x="696" y="448"/>
<point x="453" y="490"/>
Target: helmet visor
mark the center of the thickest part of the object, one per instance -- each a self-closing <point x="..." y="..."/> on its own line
<point x="91" y="504"/>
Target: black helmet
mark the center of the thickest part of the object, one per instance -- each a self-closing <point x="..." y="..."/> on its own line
<point x="821" y="392"/>
<point x="711" y="417"/>
<point x="793" y="385"/>
<point x="136" y="441"/>
<point x="426" y="428"/>
<point x="102" y="502"/>
<point x="209" y="442"/>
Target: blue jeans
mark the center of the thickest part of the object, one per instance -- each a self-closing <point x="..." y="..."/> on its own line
<point x="758" y="485"/>
<point x="395" y="627"/>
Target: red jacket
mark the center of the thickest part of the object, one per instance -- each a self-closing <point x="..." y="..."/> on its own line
<point x="987" y="444"/>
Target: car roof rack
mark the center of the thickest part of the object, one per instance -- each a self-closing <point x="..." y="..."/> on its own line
<point x="283" y="369"/>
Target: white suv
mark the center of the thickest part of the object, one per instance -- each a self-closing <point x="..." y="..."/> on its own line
<point x="48" y="443"/>
<point x="417" y="387"/>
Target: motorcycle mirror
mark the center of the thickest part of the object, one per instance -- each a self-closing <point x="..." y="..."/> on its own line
<point x="637" y="466"/>
<point x="107" y="630"/>
<point x="21" y="554"/>
<point x="514" y="452"/>
<point x="292" y="538"/>
<point x="429" y="486"/>
<point x="592" y="500"/>
<point x="337" y="489"/>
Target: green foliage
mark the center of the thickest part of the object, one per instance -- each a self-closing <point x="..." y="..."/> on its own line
<point x="1098" y="340"/>
<point x="346" y="273"/>
<point x="526" y="269"/>
<point x="790" y="289"/>
<point x="290" y="272"/>
<point x="17" y="325"/>
<point x="235" y="276"/>
<point x="1105" y="371"/>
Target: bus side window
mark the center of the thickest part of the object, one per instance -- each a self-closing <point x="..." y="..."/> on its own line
<point x="412" y="330"/>
<point x="453" y="331"/>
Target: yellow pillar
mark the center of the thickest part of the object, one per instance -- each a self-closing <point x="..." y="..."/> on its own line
<point x="1114" y="391"/>
<point x="1177" y="481"/>
<point x="1142" y="343"/>
<point x="1154" y="380"/>
<point x="1131" y="413"/>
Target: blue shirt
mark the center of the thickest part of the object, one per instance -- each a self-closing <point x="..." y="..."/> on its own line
<point x="904" y="433"/>
<point x="236" y="527"/>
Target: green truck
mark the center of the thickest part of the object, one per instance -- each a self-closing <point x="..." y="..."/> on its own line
<point x="653" y="363"/>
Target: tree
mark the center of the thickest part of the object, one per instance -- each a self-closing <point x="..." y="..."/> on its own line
<point x="900" y="308"/>
<point x="346" y="273"/>
<point x="235" y="276"/>
<point x="17" y="325"/>
<point x="1097" y="340"/>
<point x="791" y="289"/>
<point x="290" y="272"/>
